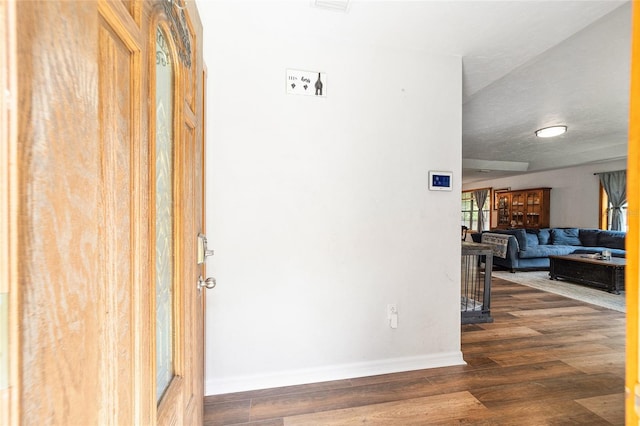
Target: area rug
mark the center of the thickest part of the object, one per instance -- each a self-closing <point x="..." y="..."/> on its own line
<point x="541" y="281"/>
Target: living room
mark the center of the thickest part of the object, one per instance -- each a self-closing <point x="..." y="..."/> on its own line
<point x="574" y="195"/>
<point x="319" y="207"/>
<point x="570" y="164"/>
<point x="583" y="251"/>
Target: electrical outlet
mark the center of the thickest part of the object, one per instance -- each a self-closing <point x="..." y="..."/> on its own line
<point x="392" y="309"/>
<point x="392" y="315"/>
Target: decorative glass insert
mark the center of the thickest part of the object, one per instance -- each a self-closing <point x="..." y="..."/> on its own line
<point x="164" y="217"/>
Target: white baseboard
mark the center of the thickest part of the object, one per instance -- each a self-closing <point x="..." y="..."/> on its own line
<point x="331" y="372"/>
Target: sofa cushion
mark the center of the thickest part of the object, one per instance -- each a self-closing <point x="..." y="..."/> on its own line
<point x="618" y="253"/>
<point x="546" y="250"/>
<point x="565" y="237"/>
<point x="590" y="250"/>
<point x="532" y="240"/>
<point x="589" y="237"/>
<point x="544" y="236"/>
<point x="611" y="239"/>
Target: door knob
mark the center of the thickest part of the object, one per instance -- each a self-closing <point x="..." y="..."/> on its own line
<point x="208" y="283"/>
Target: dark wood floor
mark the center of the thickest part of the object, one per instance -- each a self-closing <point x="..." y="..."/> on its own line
<point x="545" y="360"/>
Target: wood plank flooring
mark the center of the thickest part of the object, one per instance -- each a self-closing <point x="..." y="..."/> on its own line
<point x="545" y="360"/>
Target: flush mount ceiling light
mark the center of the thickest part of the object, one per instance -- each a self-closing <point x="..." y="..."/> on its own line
<point x="549" y="132"/>
<point x="342" y="5"/>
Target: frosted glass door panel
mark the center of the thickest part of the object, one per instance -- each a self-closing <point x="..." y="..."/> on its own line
<point x="164" y="217"/>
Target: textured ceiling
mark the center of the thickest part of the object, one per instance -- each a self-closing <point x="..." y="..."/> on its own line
<point x="526" y="65"/>
<point x="582" y="82"/>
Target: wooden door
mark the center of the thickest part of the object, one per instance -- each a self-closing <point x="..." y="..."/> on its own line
<point x="504" y="210"/>
<point x="517" y="209"/>
<point x="83" y="201"/>
<point x="8" y="218"/>
<point x="180" y="399"/>
<point x="538" y="208"/>
<point x="632" y="379"/>
<point x="534" y="209"/>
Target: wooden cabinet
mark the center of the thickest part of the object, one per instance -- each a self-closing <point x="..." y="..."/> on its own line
<point x="524" y="208"/>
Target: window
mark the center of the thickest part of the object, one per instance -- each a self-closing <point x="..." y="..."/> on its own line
<point x="469" y="217"/>
<point x="605" y="217"/>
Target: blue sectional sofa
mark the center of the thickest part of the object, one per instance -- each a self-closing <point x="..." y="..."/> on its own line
<point x="531" y="248"/>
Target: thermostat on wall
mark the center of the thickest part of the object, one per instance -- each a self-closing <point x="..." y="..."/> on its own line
<point x="440" y="181"/>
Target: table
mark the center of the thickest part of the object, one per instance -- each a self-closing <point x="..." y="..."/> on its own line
<point x="581" y="268"/>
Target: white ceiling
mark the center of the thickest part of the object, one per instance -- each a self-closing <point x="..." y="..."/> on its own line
<point x="526" y="65"/>
<point x="582" y="81"/>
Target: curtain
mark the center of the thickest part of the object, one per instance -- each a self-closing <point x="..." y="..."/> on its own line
<point x="481" y="197"/>
<point x="615" y="185"/>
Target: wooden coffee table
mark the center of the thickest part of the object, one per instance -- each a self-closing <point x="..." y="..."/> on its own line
<point x="607" y="274"/>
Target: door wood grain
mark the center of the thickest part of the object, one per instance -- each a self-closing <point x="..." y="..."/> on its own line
<point x="84" y="325"/>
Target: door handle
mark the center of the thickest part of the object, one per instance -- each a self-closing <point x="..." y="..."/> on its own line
<point x="209" y="283"/>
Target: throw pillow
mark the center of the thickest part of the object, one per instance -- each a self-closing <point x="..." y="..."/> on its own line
<point x="565" y="237"/>
<point x="612" y="239"/>
<point x="520" y="235"/>
<point x="589" y="237"/>
<point x="532" y="240"/>
<point x="544" y="236"/>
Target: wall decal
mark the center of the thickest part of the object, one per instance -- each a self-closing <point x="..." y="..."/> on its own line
<point x="308" y="83"/>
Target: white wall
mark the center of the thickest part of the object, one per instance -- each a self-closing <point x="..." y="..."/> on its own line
<point x="575" y="193"/>
<point x="319" y="210"/>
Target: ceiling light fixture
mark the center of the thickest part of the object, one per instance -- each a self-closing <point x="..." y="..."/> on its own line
<point x="342" y="5"/>
<point x="549" y="132"/>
